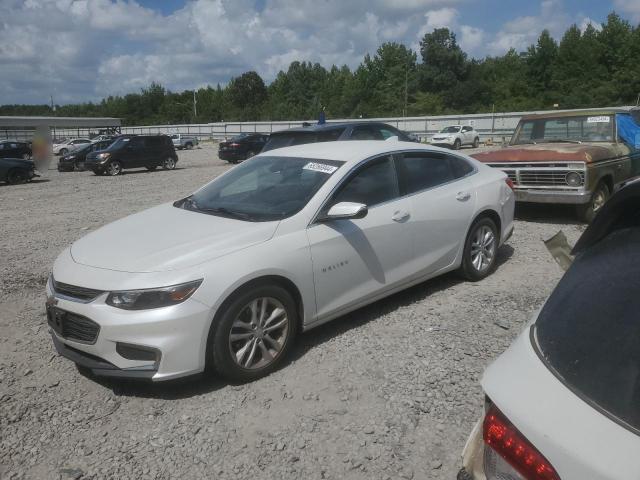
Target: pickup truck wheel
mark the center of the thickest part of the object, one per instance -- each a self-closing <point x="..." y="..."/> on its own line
<point x="189" y="146"/>
<point x="16" y="177"/>
<point x="588" y="211"/>
<point x="457" y="144"/>
<point x="476" y="142"/>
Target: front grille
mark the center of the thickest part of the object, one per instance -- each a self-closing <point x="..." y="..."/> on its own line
<point x="77" y="327"/>
<point x="540" y="177"/>
<point x="73" y="291"/>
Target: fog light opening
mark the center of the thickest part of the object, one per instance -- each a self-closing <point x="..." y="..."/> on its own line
<point x="137" y="352"/>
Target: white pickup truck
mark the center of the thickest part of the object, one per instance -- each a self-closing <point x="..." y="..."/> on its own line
<point x="183" y="141"/>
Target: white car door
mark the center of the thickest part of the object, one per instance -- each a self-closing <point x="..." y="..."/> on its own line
<point x="355" y="259"/>
<point x="440" y="189"/>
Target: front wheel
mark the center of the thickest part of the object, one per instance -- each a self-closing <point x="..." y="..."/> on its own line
<point x="588" y="211"/>
<point x="252" y="336"/>
<point x="114" y="168"/>
<point x="63" y="152"/>
<point x="169" y="163"/>
<point x="457" y="144"/>
<point x="480" y="248"/>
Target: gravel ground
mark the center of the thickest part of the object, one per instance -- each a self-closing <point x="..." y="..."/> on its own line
<point x="389" y="391"/>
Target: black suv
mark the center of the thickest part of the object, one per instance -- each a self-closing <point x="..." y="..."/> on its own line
<point x="332" y="132"/>
<point x="133" y="151"/>
<point x="14" y="149"/>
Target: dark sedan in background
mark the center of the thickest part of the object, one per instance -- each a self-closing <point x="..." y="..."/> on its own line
<point x="74" y="160"/>
<point x="332" y="132"/>
<point x="15" y="149"/>
<point x="241" y="147"/>
<point x="16" y="170"/>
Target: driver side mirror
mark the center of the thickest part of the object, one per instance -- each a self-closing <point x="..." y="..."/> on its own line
<point x="345" y="211"/>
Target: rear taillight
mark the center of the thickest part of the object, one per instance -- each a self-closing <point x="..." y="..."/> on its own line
<point x="507" y="441"/>
<point x="234" y="144"/>
<point x="509" y="183"/>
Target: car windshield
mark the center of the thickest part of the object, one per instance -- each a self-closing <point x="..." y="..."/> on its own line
<point x="119" y="142"/>
<point x="237" y="138"/>
<point x="450" y="130"/>
<point x="588" y="331"/>
<point x="586" y="128"/>
<point x="262" y="189"/>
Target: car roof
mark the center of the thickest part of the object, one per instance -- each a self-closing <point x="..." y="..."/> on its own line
<point x="350" y="151"/>
<point x="329" y="126"/>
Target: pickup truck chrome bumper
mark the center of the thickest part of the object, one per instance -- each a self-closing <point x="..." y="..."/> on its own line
<point x="550" y="196"/>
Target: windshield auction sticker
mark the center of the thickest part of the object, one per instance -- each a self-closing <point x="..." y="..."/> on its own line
<point x="320" y="167"/>
<point x="603" y="119"/>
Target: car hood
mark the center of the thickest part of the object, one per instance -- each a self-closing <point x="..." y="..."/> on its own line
<point x="167" y="238"/>
<point x="549" y="152"/>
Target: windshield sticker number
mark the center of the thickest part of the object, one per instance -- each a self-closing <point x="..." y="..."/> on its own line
<point x="602" y="119"/>
<point x="320" y="167"/>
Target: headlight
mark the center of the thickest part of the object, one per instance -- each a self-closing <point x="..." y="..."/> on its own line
<point x="70" y="157"/>
<point x="573" y="179"/>
<point x="103" y="156"/>
<point x="153" y="297"/>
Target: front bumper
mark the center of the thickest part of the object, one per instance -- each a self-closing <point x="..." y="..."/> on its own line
<point x="178" y="333"/>
<point x="443" y="141"/>
<point x="551" y="196"/>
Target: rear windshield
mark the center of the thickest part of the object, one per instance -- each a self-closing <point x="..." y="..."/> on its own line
<point x="287" y="139"/>
<point x="588" y="333"/>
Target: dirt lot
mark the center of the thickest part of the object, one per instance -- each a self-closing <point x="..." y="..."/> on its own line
<point x="390" y="391"/>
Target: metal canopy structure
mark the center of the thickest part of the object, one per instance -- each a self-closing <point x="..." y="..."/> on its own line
<point x="23" y="128"/>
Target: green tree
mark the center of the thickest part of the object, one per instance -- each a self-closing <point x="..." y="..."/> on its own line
<point x="444" y="64"/>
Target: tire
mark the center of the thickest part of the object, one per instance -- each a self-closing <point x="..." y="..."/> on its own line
<point x="457" y="144"/>
<point x="189" y="146"/>
<point x="16" y="177"/>
<point x="588" y="211"/>
<point x="479" y="254"/>
<point x="151" y="168"/>
<point x="250" y="356"/>
<point x="476" y="142"/>
<point x="63" y="152"/>
<point x="169" y="163"/>
<point x="114" y="168"/>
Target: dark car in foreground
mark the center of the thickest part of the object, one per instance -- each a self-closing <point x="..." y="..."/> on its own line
<point x="74" y="160"/>
<point x="332" y="132"/>
<point x="15" y="149"/>
<point x="133" y="151"/>
<point x="241" y="147"/>
<point x="16" y="170"/>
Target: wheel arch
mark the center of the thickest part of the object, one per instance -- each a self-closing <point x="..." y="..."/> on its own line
<point x="493" y="215"/>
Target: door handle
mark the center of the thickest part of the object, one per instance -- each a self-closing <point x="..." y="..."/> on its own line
<point x="463" y="196"/>
<point x="400" y="215"/>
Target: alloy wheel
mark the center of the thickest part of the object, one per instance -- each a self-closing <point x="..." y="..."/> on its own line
<point x="114" y="168"/>
<point x="169" y="164"/>
<point x="483" y="248"/>
<point x="259" y="333"/>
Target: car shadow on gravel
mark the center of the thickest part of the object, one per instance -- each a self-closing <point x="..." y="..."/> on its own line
<point x="543" y="213"/>
<point x="34" y="181"/>
<point x="205" y="383"/>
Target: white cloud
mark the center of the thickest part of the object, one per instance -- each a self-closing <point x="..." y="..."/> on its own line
<point x="629" y="7"/>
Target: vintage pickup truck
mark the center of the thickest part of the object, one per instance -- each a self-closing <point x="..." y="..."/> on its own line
<point x="578" y="157"/>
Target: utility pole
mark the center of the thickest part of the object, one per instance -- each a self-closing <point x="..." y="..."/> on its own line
<point x="195" y="108"/>
<point x="406" y="82"/>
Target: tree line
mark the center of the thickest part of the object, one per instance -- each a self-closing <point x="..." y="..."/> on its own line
<point x="586" y="68"/>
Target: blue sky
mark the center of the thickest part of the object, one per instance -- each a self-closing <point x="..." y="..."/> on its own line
<point x="84" y="50"/>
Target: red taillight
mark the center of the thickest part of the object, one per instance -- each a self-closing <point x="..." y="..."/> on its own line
<point x="234" y="144"/>
<point x="509" y="182"/>
<point x="503" y="437"/>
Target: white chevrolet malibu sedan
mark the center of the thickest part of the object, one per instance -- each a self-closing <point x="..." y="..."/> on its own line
<point x="284" y="242"/>
<point x="563" y="402"/>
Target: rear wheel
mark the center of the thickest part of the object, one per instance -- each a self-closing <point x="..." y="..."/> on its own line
<point x="480" y="248"/>
<point x="253" y="334"/>
<point x="189" y="146"/>
<point x="16" y="177"/>
<point x="114" y="168"/>
<point x="457" y="144"/>
<point x="588" y="211"/>
<point x="169" y="163"/>
<point x="476" y="142"/>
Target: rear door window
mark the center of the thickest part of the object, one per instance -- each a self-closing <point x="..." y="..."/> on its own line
<point x="588" y="332"/>
<point x="423" y="170"/>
